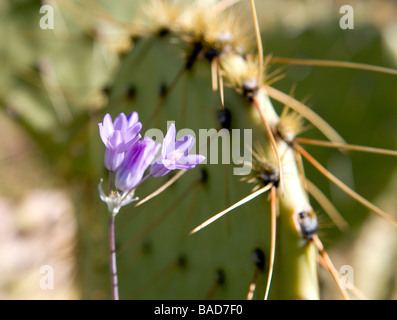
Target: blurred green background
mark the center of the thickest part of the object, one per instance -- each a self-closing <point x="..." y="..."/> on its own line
<point x="56" y="85"/>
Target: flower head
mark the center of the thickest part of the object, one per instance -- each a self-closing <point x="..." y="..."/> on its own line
<point x="175" y="154"/>
<point x="128" y="157"/>
<point x="118" y="137"/>
<point x="136" y="161"/>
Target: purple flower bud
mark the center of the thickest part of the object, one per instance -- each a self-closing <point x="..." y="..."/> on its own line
<point x="136" y="161"/>
<point x="118" y="137"/>
<point x="175" y="154"/>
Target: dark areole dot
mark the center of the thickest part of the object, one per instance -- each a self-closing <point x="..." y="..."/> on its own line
<point x="197" y="47"/>
<point x="147" y="247"/>
<point x="308" y="224"/>
<point x="203" y="175"/>
<point x="220" y="277"/>
<point x="224" y="117"/>
<point x="135" y="38"/>
<point x="106" y="90"/>
<point x="163" y="32"/>
<point x="131" y="92"/>
<point x="182" y="261"/>
<point x="268" y="175"/>
<point x="210" y="54"/>
<point x="258" y="256"/>
<point x="163" y="89"/>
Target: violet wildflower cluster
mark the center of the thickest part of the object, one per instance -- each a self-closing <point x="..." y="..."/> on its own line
<point x="128" y="156"/>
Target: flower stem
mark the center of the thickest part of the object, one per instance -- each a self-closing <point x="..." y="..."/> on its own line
<point x="112" y="257"/>
<point x="110" y="182"/>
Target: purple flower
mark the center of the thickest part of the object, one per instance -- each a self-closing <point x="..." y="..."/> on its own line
<point x="136" y="161"/>
<point x="174" y="154"/>
<point x="118" y="137"/>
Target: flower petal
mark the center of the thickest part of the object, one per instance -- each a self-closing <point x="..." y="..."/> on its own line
<point x="158" y="170"/>
<point x="169" y="164"/>
<point x="121" y="122"/>
<point x="151" y="150"/>
<point x="127" y="176"/>
<point x="169" y="141"/>
<point x="108" y="123"/>
<point x="131" y="133"/>
<point x="132" y="118"/>
<point x="129" y="144"/>
<point x="137" y="160"/>
<point x="103" y="134"/>
<point x="113" y="159"/>
<point x="115" y="141"/>
<point x="190" y="161"/>
<point x="184" y="144"/>
<point x="106" y="128"/>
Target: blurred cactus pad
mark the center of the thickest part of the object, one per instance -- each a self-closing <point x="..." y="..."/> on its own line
<point x="163" y="59"/>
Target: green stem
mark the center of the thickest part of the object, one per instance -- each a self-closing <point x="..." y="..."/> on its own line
<point x="112" y="257"/>
<point x="295" y="274"/>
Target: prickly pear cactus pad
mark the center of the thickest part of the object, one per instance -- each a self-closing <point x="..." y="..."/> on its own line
<point x="284" y="100"/>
